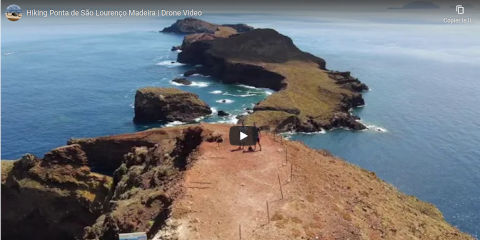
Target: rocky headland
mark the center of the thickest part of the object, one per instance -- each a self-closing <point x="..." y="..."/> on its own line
<point x="185" y="183"/>
<point x="308" y="97"/>
<point x="154" y="104"/>
<point x="193" y="25"/>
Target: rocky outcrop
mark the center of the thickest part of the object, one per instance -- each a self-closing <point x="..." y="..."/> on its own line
<point x="193" y="25"/>
<point x="182" y="81"/>
<point x="59" y="197"/>
<point x="51" y="198"/>
<point x="346" y="80"/>
<point x="259" y="45"/>
<point x="240" y="27"/>
<point x="168" y="104"/>
<point x="222" y="113"/>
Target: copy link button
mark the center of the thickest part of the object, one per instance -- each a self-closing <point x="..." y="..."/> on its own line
<point x="243" y="135"/>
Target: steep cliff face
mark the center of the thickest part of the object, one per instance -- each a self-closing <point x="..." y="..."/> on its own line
<point x="168" y="104"/>
<point x="314" y="97"/>
<point x="51" y="198"/>
<point x="187" y="183"/>
<point x="59" y="197"/>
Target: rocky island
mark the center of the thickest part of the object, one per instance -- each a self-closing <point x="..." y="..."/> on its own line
<point x="308" y="96"/>
<point x="185" y="183"/>
<point x="168" y="104"/>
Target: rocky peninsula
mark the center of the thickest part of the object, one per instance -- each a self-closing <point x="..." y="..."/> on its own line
<point x="308" y="96"/>
<point x="185" y="183"/>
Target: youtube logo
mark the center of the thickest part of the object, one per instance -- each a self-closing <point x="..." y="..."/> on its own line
<point x="243" y="135"/>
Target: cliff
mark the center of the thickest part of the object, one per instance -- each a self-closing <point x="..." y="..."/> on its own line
<point x="168" y="104"/>
<point x="309" y="97"/>
<point x="187" y="183"/>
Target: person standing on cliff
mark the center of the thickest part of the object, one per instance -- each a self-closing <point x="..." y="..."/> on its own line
<point x="242" y="129"/>
<point x="257" y="133"/>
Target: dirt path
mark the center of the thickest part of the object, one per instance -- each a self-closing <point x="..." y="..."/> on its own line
<point x="231" y="189"/>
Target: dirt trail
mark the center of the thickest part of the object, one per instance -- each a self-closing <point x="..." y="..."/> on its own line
<point x="227" y="189"/>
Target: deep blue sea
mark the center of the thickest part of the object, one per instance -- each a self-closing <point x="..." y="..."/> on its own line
<point x="78" y="79"/>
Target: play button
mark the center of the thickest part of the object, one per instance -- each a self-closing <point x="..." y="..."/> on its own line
<point x="243" y="135"/>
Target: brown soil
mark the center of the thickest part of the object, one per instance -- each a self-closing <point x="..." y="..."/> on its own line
<point x="226" y="195"/>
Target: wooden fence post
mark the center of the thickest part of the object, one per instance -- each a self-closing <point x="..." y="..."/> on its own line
<point x="280" y="183"/>
<point x="268" y="212"/>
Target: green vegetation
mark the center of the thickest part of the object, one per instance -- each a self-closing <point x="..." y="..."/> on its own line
<point x="309" y="89"/>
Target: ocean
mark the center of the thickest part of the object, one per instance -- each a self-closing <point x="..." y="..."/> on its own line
<point x="78" y="79"/>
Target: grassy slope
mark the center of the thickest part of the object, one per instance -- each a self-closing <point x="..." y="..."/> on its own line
<point x="309" y="89"/>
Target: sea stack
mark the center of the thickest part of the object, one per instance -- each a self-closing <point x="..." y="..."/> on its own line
<point x="154" y="104"/>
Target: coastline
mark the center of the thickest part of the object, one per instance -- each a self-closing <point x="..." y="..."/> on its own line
<point x="334" y="128"/>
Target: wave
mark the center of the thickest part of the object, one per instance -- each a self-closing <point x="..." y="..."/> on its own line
<point x="289" y="134"/>
<point x="216" y="92"/>
<point x="371" y="127"/>
<point x="246" y="86"/>
<point x="232" y="119"/>
<point x="8" y="53"/>
<point x="176" y="83"/>
<point x="169" y="63"/>
<point x="199" y="84"/>
<point x="193" y="84"/>
<point x="198" y="119"/>
<point x="214" y="110"/>
<point x="174" y="123"/>
<point x="248" y="94"/>
<point x="268" y="92"/>
<point x="225" y="101"/>
<point x="199" y="75"/>
<point x="376" y="128"/>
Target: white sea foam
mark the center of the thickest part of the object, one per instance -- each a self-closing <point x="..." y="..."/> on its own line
<point x="248" y="94"/>
<point x="216" y="92"/>
<point x="199" y="84"/>
<point x="174" y="123"/>
<point x="178" y="51"/>
<point x="199" y="119"/>
<point x="371" y="127"/>
<point x="230" y="119"/>
<point x="8" y="53"/>
<point x="268" y="92"/>
<point x="376" y="128"/>
<point x="169" y="63"/>
<point x="176" y="83"/>
<point x="225" y="101"/>
<point x="199" y="75"/>
<point x="214" y="110"/>
<point x="193" y="84"/>
<point x="322" y="131"/>
<point x="246" y="86"/>
<point x="131" y="105"/>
